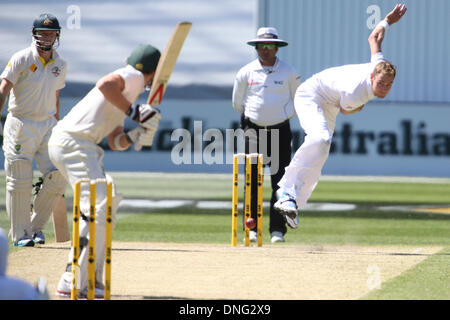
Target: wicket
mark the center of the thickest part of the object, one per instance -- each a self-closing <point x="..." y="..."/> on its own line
<point x="91" y="246"/>
<point x="247" y="201"/>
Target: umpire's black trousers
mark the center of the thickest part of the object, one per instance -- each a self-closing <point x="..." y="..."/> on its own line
<point x="256" y="140"/>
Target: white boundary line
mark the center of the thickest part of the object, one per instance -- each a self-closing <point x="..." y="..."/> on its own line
<point x="399" y="179"/>
<point x="225" y="176"/>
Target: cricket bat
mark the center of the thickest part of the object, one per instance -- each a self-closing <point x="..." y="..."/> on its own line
<point x="167" y="63"/>
<point x="60" y="225"/>
<point x="165" y="66"/>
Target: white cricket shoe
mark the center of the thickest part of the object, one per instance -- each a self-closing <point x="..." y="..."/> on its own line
<point x="64" y="285"/>
<point x="292" y="223"/>
<point x="277" y="236"/>
<point x="287" y="206"/>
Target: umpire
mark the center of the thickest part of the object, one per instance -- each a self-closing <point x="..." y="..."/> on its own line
<point x="263" y="95"/>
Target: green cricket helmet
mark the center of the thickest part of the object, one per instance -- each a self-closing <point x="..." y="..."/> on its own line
<point x="144" y="58"/>
<point x="46" y="22"/>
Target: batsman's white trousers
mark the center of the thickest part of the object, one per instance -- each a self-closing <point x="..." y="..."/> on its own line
<point x="318" y="121"/>
<point x="79" y="158"/>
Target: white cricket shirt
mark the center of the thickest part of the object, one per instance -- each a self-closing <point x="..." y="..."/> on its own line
<point x="266" y="95"/>
<point x="33" y="96"/>
<point x="347" y="86"/>
<point x="95" y="117"/>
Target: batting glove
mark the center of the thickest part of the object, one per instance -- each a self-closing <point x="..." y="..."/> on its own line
<point x="146" y="138"/>
<point x="145" y="114"/>
<point x="133" y="135"/>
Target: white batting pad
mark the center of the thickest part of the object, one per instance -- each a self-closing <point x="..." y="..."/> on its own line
<point x="19" y="179"/>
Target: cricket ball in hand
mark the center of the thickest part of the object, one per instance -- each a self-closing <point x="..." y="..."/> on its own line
<point x="250" y="223"/>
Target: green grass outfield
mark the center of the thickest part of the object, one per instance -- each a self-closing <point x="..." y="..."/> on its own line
<point x="365" y="225"/>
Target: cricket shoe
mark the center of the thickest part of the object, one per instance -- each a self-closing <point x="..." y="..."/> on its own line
<point x="277" y="236"/>
<point x="64" y="287"/>
<point x="24" y="242"/>
<point x="38" y="237"/>
<point x="287" y="206"/>
<point x="292" y="223"/>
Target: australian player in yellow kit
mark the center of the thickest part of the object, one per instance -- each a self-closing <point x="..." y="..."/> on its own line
<point x="32" y="78"/>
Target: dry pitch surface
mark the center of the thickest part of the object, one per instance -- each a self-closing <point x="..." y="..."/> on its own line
<point x="200" y="271"/>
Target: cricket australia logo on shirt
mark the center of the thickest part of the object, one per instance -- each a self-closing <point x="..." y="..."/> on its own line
<point x="56" y="71"/>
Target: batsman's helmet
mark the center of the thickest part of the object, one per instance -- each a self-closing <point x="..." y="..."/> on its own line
<point x="46" y="21"/>
<point x="144" y="58"/>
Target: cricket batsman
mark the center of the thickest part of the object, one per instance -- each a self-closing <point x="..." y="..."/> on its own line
<point x="73" y="148"/>
<point x="318" y="101"/>
<point x="32" y="78"/>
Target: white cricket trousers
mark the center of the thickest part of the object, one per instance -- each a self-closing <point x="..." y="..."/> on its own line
<point x="76" y="157"/>
<point x="24" y="140"/>
<point x="318" y="122"/>
<point x="79" y="158"/>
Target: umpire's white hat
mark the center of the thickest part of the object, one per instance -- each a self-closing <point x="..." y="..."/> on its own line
<point x="267" y="34"/>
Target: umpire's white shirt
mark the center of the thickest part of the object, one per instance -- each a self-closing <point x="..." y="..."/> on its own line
<point x="266" y="95"/>
<point x="33" y="96"/>
<point x="94" y="117"/>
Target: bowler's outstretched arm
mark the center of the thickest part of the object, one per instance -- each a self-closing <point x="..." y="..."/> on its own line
<point x="377" y="35"/>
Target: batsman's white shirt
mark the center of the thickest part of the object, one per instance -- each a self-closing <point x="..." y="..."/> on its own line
<point x="266" y="95"/>
<point x="33" y="96"/>
<point x="74" y="151"/>
<point x="94" y="117"/>
<point x="317" y="102"/>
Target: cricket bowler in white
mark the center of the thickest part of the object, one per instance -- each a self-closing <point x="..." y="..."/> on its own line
<point x="73" y="148"/>
<point x="32" y="78"/>
<point x="318" y="101"/>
